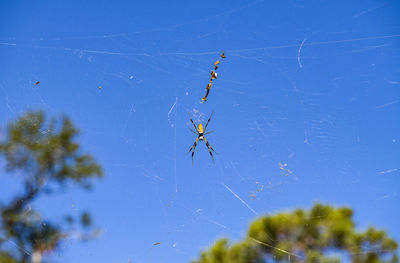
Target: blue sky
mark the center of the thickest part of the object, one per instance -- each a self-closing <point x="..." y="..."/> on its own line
<point x="314" y="85"/>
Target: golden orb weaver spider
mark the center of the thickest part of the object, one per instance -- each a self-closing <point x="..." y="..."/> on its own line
<point x="200" y="132"/>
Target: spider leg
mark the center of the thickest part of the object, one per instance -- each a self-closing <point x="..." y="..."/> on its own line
<point x="208" y="132"/>
<point x="209" y="146"/>
<point x="194" y="145"/>
<point x="194" y="125"/>
<point x="209" y="149"/>
<point x="209" y="119"/>
<point x="193" y="131"/>
<point x="193" y="148"/>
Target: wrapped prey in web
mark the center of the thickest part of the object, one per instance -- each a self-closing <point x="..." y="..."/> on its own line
<point x="213" y="76"/>
<point x="216" y="65"/>
<point x="207" y="91"/>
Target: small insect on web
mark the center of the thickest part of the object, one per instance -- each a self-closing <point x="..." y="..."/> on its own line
<point x="200" y="132"/>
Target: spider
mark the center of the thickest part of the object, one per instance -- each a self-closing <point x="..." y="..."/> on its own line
<point x="200" y="136"/>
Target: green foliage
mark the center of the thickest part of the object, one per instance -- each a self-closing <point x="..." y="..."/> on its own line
<point x="7" y="258"/>
<point x="44" y="154"/>
<point x="86" y="219"/>
<point x="322" y="234"/>
<point x="222" y="252"/>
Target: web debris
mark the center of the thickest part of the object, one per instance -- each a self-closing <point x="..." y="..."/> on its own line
<point x="240" y="199"/>
<point x="387" y="104"/>
<point x="260" y="188"/>
<point x="169" y="113"/>
<point x="299" y="51"/>
<point x="284" y="169"/>
<point x="175" y="105"/>
<point x="388" y="171"/>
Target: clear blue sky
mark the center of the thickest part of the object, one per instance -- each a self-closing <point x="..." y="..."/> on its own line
<point x="311" y="84"/>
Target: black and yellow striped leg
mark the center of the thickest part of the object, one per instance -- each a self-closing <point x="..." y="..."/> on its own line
<point x="209" y="119"/>
<point x="194" y="125"/>
<point x="209" y="149"/>
<point x="193" y="148"/>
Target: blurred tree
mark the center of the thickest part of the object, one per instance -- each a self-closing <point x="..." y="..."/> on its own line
<point x="44" y="156"/>
<point x="323" y="234"/>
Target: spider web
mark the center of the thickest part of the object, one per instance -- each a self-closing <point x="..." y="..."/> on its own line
<point x="290" y="122"/>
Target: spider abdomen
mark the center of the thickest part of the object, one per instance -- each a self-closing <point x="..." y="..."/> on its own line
<point x="200" y="129"/>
